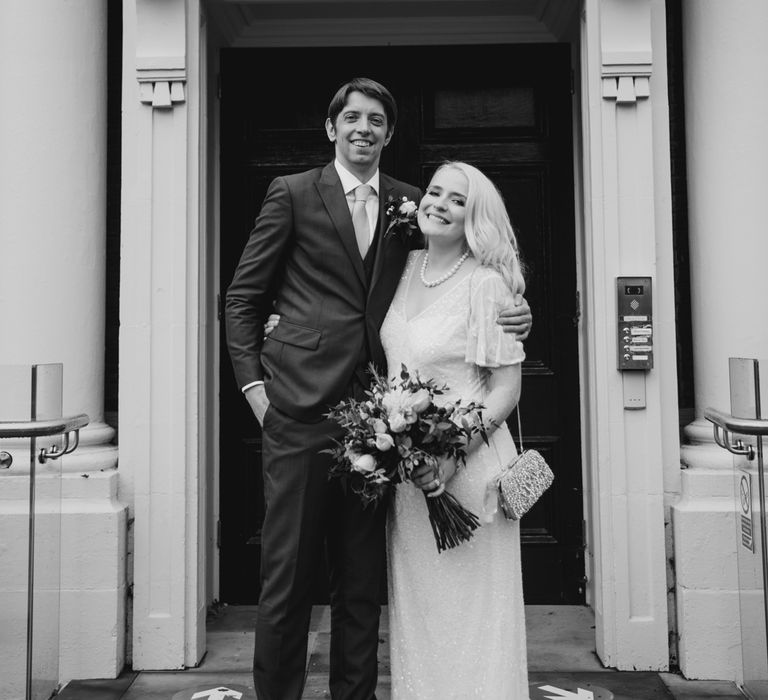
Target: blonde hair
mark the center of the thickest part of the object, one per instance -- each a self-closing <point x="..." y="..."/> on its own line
<point x="487" y="228"/>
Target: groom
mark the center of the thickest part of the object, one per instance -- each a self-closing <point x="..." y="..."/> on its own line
<point x="318" y="254"/>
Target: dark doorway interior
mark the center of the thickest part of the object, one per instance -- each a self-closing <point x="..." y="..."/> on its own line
<point x="506" y="109"/>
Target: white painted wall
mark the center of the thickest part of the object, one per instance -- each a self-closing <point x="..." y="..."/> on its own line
<point x="725" y="56"/>
<point x="53" y="129"/>
<point x="52" y="275"/>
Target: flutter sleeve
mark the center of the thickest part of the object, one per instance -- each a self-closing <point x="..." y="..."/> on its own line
<point x="488" y="345"/>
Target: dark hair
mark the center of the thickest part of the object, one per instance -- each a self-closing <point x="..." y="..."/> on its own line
<point x="370" y="88"/>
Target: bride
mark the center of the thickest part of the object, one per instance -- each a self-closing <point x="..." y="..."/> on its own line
<point x="456" y="618"/>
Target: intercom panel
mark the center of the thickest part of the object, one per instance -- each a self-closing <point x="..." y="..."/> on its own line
<point x="635" y="323"/>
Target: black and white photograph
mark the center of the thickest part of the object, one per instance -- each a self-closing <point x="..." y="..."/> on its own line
<point x="396" y="350"/>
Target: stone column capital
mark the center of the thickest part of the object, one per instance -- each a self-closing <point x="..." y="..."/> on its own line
<point x="161" y="52"/>
<point x="626" y="54"/>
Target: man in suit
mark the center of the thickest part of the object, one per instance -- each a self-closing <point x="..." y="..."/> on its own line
<point x="331" y="282"/>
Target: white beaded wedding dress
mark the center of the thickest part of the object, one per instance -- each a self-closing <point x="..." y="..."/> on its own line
<point x="456" y="618"/>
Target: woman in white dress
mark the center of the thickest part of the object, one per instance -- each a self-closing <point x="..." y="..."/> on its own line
<point x="456" y="618"/>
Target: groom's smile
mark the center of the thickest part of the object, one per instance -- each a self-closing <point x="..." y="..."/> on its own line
<point x="360" y="132"/>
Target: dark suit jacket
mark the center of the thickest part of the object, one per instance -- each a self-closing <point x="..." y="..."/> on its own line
<point x="302" y="257"/>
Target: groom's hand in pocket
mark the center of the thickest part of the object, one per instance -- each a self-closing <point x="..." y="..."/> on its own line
<point x="517" y="319"/>
<point x="258" y="401"/>
<point x="271" y="324"/>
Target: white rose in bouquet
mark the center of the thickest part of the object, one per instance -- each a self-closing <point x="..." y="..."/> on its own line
<point x="365" y="464"/>
<point x="384" y="442"/>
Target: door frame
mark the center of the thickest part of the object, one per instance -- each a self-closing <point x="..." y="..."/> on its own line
<point x="623" y="222"/>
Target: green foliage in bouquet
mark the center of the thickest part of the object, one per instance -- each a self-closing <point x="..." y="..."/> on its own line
<point x="398" y="426"/>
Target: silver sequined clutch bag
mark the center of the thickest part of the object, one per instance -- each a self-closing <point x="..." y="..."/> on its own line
<point x="522" y="483"/>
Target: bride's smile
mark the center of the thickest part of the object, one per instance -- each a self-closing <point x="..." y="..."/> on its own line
<point x="442" y="211"/>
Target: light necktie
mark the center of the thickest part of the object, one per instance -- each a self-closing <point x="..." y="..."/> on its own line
<point x="360" y="218"/>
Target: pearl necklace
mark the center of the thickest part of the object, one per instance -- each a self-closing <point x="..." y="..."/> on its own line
<point x="444" y="277"/>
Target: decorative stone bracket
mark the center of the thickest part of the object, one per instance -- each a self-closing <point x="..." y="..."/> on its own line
<point x="626" y="88"/>
<point x="161" y="80"/>
<point x="626" y="75"/>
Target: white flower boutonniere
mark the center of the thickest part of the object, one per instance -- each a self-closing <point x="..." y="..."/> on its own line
<point x="402" y="216"/>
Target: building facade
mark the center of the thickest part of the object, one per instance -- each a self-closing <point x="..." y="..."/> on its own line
<point x="678" y="200"/>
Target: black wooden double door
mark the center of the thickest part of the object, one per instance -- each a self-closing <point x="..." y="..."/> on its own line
<point x="506" y="109"/>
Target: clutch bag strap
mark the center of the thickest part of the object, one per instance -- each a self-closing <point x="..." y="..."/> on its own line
<point x="519" y="428"/>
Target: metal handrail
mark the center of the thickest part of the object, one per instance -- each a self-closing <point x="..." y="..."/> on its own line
<point x="731" y="424"/>
<point x="723" y="424"/>
<point x="40" y="428"/>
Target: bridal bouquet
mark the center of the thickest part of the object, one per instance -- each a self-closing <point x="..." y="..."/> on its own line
<point x="399" y="426"/>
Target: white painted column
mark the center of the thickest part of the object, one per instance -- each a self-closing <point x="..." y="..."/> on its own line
<point x="162" y="474"/>
<point x="725" y="56"/>
<point x="52" y="291"/>
<point x="627" y="232"/>
<point x="53" y="201"/>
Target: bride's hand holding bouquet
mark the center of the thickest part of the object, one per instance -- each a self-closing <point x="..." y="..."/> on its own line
<point x="432" y="476"/>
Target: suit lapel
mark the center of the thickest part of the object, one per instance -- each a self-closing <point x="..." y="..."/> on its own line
<point x="391" y="252"/>
<point x="332" y="194"/>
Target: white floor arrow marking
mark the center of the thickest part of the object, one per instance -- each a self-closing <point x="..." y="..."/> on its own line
<point x="580" y="693"/>
<point x="217" y="694"/>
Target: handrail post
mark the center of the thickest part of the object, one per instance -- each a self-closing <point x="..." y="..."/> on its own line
<point x="30" y="566"/>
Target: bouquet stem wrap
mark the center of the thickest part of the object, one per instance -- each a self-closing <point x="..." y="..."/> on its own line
<point x="451" y="522"/>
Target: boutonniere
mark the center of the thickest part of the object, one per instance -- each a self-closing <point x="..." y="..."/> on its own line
<point x="401" y="212"/>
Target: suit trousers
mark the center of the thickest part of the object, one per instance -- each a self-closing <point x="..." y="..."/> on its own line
<point x="306" y="515"/>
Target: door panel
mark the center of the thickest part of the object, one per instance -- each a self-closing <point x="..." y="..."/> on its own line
<point x="514" y="122"/>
